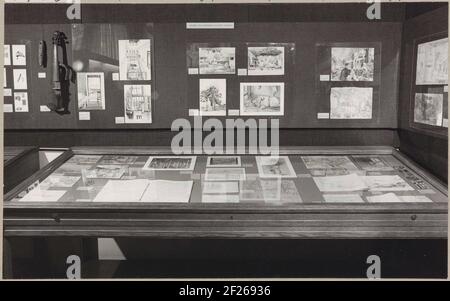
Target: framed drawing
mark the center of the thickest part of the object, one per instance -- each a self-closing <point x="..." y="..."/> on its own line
<point x="266" y="99"/>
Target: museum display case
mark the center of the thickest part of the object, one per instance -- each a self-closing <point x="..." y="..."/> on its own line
<point x="18" y="164"/>
<point x="358" y="192"/>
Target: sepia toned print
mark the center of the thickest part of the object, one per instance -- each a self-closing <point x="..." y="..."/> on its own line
<point x="219" y="60"/>
<point x="137" y="104"/>
<point x="91" y="91"/>
<point x="262" y="99"/>
<point x="352" y="64"/>
<point x="432" y="63"/>
<point x="213" y="97"/>
<point x="350" y="103"/>
<point x="265" y="60"/>
<point x="428" y="108"/>
<point x="134" y="60"/>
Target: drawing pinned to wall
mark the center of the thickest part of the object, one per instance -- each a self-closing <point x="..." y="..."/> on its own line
<point x="432" y="63"/>
<point x="91" y="90"/>
<point x="219" y="60"/>
<point x="134" y="60"/>
<point x="213" y="97"/>
<point x="7" y="55"/>
<point x="265" y="60"/>
<point x="20" y="102"/>
<point x="262" y="99"/>
<point x="351" y="103"/>
<point x="428" y="108"/>
<point x="19" y="55"/>
<point x="352" y="64"/>
<point x="20" y="79"/>
<point x="137" y="104"/>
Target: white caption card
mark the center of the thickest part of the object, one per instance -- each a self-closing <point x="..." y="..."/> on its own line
<point x="120" y="120"/>
<point x="84" y="115"/>
<point x="323" y="115"/>
<point x="19" y="55"/>
<point x="445" y="88"/>
<point x="242" y="72"/>
<point x="7" y="53"/>
<point x="20" y="79"/>
<point x="8" y="108"/>
<point x="193" y="112"/>
<point x="193" y="71"/>
<point x="7" y="92"/>
<point x="42" y="75"/>
<point x="233" y="112"/>
<point x="115" y="76"/>
<point x="324" y="77"/>
<point x="44" y="109"/>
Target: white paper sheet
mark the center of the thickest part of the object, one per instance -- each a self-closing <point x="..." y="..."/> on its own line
<point x="39" y="195"/>
<point x="122" y="191"/>
<point x="386" y="183"/>
<point x="351" y="182"/>
<point x="162" y="191"/>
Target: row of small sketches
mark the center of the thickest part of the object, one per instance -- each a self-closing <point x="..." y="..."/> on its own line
<point x="261" y="60"/>
<point x="255" y="98"/>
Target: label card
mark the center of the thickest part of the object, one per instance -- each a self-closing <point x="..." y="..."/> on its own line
<point x="20" y="79"/>
<point x="21" y="102"/>
<point x="42" y="75"/>
<point x="19" y="55"/>
<point x="445" y="122"/>
<point x="324" y="77"/>
<point x="234" y="112"/>
<point x="323" y="115"/>
<point x="193" y="112"/>
<point x="445" y="89"/>
<point x="84" y="115"/>
<point x="44" y="108"/>
<point x="120" y="120"/>
<point x="8" y="108"/>
<point x="7" y="53"/>
<point x="193" y="71"/>
<point x="115" y="76"/>
<point x="242" y="72"/>
<point x="7" y="92"/>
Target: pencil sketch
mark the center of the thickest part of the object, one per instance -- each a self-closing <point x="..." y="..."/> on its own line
<point x="170" y="163"/>
<point x="352" y="64"/>
<point x="213" y="97"/>
<point x="91" y="91"/>
<point x="134" y="60"/>
<point x="21" y="102"/>
<point x="19" y="55"/>
<point x="372" y="163"/>
<point x="274" y="167"/>
<point x="265" y="61"/>
<point x="219" y="60"/>
<point x="59" y="181"/>
<point x="328" y="162"/>
<point x="432" y="63"/>
<point x="350" y="103"/>
<point x="386" y="183"/>
<point x="138" y="104"/>
<point x="224" y="161"/>
<point x="118" y="159"/>
<point x="262" y="99"/>
<point x="20" y="79"/>
<point x="428" y="108"/>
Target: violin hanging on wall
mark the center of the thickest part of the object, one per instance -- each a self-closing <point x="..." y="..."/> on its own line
<point x="60" y="97"/>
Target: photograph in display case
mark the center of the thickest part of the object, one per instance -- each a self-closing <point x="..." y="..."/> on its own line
<point x="170" y="163"/>
<point x="265" y="99"/>
<point x="275" y="167"/>
<point x="352" y="64"/>
<point x="428" y="108"/>
<point x="223" y="161"/>
<point x="137" y="103"/>
<point x="432" y="63"/>
<point x="351" y="103"/>
<point x="217" y="60"/>
<point x="266" y="60"/>
<point x="91" y="91"/>
<point x="213" y="97"/>
<point x="135" y="60"/>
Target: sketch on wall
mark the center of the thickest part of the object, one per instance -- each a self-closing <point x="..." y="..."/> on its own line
<point x="213" y="97"/>
<point x="91" y="90"/>
<point x="352" y="64"/>
<point x="19" y="55"/>
<point x="432" y="63"/>
<point x="21" y="102"/>
<point x="351" y="103"/>
<point x="265" y="60"/>
<point x="262" y="99"/>
<point x="7" y="54"/>
<point x="219" y="60"/>
<point x="428" y="108"/>
<point x="20" y="79"/>
<point x="138" y="104"/>
<point x="134" y="60"/>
